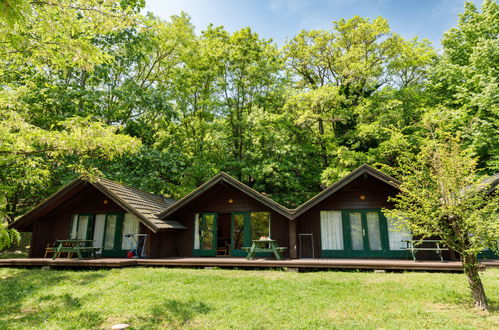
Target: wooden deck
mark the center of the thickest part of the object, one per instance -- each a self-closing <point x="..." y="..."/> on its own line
<point x="326" y="263"/>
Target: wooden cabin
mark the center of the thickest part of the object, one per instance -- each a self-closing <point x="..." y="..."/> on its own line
<point x="221" y="217"/>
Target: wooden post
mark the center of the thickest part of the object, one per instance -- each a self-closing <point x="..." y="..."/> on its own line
<point x="293" y="253"/>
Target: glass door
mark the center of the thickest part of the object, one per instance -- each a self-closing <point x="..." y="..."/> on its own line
<point x="241" y="236"/>
<point x="111" y="246"/>
<point x="205" y="234"/>
<point x="365" y="233"/>
<point x="248" y="226"/>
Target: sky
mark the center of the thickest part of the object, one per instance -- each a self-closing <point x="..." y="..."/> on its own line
<point x="280" y="20"/>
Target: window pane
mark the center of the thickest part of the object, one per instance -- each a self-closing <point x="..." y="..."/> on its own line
<point x="74" y="227"/>
<point x="197" y="231"/>
<point x="110" y="232"/>
<point x="373" y="230"/>
<point x="207" y="231"/>
<point x="238" y="231"/>
<point x="356" y="230"/>
<point x="260" y="224"/>
<point x="396" y="237"/>
<point x="130" y="226"/>
<point x="100" y="221"/>
<point x="331" y="230"/>
<point x="82" y="227"/>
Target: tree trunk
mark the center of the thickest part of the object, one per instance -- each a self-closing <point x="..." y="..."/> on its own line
<point x="471" y="269"/>
<point x="325" y="161"/>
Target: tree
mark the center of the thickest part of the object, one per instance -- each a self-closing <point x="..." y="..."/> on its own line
<point x="356" y="86"/>
<point x="248" y="77"/>
<point x="465" y="79"/>
<point x="442" y="195"/>
<point x="26" y="151"/>
<point x="40" y="37"/>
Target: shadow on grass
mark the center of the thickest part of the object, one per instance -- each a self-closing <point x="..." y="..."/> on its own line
<point x="22" y="301"/>
<point x="171" y="314"/>
<point x="12" y="255"/>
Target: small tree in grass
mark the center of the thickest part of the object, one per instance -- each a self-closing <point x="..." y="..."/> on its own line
<point x="442" y="195"/>
<point x="8" y="236"/>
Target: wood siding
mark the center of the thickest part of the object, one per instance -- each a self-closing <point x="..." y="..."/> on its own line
<point x="347" y="198"/>
<point x="56" y="224"/>
<point x="216" y="200"/>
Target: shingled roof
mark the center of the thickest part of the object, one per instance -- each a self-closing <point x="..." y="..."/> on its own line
<point x="143" y="205"/>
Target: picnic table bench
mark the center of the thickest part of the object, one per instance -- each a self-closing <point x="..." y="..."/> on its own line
<point x="260" y="245"/>
<point x="415" y="246"/>
<point x="78" y="246"/>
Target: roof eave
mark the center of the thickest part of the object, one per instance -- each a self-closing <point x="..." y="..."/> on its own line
<point x="72" y="185"/>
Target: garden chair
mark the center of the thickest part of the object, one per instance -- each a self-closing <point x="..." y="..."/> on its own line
<point x="50" y="248"/>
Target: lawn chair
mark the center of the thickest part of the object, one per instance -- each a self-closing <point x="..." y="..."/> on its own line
<point x="224" y="249"/>
<point x="50" y="248"/>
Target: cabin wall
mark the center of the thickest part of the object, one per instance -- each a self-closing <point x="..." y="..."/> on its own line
<point x="376" y="195"/>
<point x="161" y="244"/>
<point x="347" y="198"/>
<point x="56" y="224"/>
<point x="216" y="200"/>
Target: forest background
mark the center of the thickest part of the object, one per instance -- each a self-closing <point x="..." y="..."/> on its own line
<point x="99" y="88"/>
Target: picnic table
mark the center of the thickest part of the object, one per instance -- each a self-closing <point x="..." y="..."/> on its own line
<point x="264" y="245"/>
<point x="416" y="245"/>
<point x="78" y="246"/>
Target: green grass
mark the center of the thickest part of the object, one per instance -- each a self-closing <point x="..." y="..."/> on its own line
<point x="19" y="250"/>
<point x="10" y="255"/>
<point x="149" y="298"/>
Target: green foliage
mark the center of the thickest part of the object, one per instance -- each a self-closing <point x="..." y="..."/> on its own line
<point x="441" y="195"/>
<point x="77" y="77"/>
<point x="8" y="236"/>
<point x="359" y="91"/>
<point x="466" y="79"/>
<point x="38" y="40"/>
<point x="60" y="33"/>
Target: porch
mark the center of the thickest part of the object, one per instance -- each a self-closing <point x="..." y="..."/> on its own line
<point x="231" y="262"/>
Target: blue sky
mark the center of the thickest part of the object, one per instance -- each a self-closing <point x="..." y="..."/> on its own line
<point x="282" y="19"/>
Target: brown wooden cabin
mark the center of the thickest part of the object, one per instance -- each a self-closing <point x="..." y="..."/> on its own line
<point x="221" y="217"/>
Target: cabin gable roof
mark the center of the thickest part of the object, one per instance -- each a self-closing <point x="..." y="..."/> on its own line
<point x="224" y="177"/>
<point x="143" y="205"/>
<point x="361" y="170"/>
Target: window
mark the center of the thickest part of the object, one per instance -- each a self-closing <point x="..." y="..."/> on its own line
<point x="204" y="226"/>
<point x="260" y="224"/>
<point x="239" y="238"/>
<point x="331" y="230"/>
<point x="373" y="230"/>
<point x="396" y="237"/>
<point x="100" y="221"/>
<point x="130" y="226"/>
<point x="110" y="232"/>
<point x="81" y="227"/>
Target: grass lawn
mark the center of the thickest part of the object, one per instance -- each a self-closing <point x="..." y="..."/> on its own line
<point x="10" y="255"/>
<point x="149" y="298"/>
